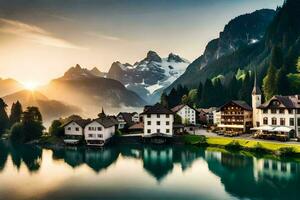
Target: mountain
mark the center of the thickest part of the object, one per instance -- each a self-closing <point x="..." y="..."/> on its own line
<point x="50" y="109"/>
<point x="81" y="87"/>
<point x="150" y="76"/>
<point x="238" y="45"/>
<point x="82" y="73"/>
<point x="8" y="86"/>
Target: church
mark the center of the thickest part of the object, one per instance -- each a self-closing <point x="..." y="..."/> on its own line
<point x="278" y="118"/>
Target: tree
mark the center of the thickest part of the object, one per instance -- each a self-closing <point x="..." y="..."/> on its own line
<point x="277" y="57"/>
<point x="199" y="93"/>
<point x="56" y="128"/>
<point x="192" y="97"/>
<point x="4" y="121"/>
<point x="164" y="100"/>
<point x="282" y="82"/>
<point x="185" y="99"/>
<point x="177" y="119"/>
<point x="208" y="94"/>
<point x="30" y="128"/>
<point x="15" y="113"/>
<point x="269" y="85"/>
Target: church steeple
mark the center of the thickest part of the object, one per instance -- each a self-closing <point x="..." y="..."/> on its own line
<point x="256" y="90"/>
<point x="102" y="114"/>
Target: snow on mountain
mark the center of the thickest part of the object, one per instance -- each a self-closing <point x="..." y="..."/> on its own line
<point x="150" y="76"/>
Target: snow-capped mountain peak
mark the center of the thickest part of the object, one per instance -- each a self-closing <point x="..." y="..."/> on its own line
<point x="149" y="76"/>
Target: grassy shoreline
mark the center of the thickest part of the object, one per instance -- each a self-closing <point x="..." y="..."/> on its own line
<point x="268" y="147"/>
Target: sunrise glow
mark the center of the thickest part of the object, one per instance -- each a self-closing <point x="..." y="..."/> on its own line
<point x="30" y="85"/>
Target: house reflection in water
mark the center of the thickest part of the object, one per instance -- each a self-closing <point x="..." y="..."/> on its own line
<point x="249" y="177"/>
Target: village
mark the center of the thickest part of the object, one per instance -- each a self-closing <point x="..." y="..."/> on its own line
<point x="277" y="119"/>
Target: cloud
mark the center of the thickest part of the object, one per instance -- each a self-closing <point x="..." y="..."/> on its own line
<point x="105" y="37"/>
<point x="35" y="34"/>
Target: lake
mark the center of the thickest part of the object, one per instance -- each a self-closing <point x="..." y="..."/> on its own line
<point x="142" y="172"/>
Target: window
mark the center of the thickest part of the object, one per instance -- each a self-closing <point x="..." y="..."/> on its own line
<point x="281" y="111"/>
<point x="148" y="116"/>
<point x="158" y="115"/>
<point x="77" y="129"/>
<point x="292" y="122"/>
<point x="274" y="121"/>
<point x="99" y="129"/>
<point x="298" y="121"/>
<point x="273" y="111"/>
<point x="90" y="135"/>
<point x="167" y="123"/>
<point x="99" y="135"/>
<point x="158" y="130"/>
<point x="282" y="122"/>
<point x="298" y="111"/>
<point x="167" y="115"/>
<point x="69" y="128"/>
<point x="148" y="122"/>
<point x="148" y="130"/>
<point x="158" y="123"/>
<point x="265" y="120"/>
<point x="90" y="128"/>
<point x="167" y="130"/>
<point x="290" y="111"/>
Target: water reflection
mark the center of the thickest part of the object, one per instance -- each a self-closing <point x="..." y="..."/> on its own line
<point x="239" y="176"/>
<point x="29" y="155"/>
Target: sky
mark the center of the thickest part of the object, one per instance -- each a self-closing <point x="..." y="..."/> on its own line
<point x="41" y="39"/>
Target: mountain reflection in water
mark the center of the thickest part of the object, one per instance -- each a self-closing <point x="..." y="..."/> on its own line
<point x="142" y="171"/>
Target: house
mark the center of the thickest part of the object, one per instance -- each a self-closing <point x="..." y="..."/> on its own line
<point x="279" y="116"/>
<point x="236" y="118"/>
<point x="125" y="119"/>
<point x="99" y="131"/>
<point x="206" y="115"/>
<point x="186" y="112"/>
<point x="217" y="116"/>
<point x="74" y="131"/>
<point x="158" y="121"/>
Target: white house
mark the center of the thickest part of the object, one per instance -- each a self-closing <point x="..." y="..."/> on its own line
<point x="125" y="119"/>
<point x="74" y="131"/>
<point x="279" y="115"/>
<point x="158" y="120"/>
<point x="187" y="113"/>
<point x="99" y="131"/>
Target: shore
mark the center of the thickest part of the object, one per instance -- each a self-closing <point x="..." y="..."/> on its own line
<point x="258" y="146"/>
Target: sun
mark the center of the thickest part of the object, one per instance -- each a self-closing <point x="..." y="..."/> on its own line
<point x="30" y="85"/>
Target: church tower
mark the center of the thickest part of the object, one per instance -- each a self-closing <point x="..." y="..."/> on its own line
<point x="256" y="102"/>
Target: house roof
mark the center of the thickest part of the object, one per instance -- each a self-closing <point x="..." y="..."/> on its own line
<point x="242" y="104"/>
<point x="179" y="107"/>
<point x="137" y="126"/>
<point x="81" y="122"/>
<point x="157" y="109"/>
<point x="105" y="121"/>
<point x="127" y="117"/>
<point x="207" y="110"/>
<point x="286" y="101"/>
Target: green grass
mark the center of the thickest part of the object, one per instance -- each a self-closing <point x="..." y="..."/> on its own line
<point x="247" y="144"/>
<point x="193" y="139"/>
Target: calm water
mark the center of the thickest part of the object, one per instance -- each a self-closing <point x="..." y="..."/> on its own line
<point x="142" y="172"/>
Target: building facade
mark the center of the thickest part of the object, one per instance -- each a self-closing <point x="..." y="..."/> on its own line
<point x="236" y="118"/>
<point x="186" y="112"/>
<point x="99" y="131"/>
<point x="74" y="131"/>
<point x="158" y="120"/>
<point x="282" y="113"/>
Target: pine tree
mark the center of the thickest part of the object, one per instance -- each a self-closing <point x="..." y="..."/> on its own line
<point x="282" y="82"/>
<point x="16" y="113"/>
<point x="208" y="94"/>
<point x="4" y="121"/>
<point x="199" y="94"/>
<point x="269" y="85"/>
<point x="164" y="100"/>
<point x="276" y="57"/>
